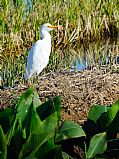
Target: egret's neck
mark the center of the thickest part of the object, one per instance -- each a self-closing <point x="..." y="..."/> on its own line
<point x="45" y="35"/>
<point x="46" y="39"/>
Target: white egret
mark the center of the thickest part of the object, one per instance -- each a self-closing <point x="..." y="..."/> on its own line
<point x="38" y="57"/>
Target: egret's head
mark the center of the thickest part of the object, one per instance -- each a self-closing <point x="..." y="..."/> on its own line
<point x="48" y="27"/>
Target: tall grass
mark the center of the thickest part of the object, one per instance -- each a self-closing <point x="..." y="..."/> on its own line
<point x="82" y="20"/>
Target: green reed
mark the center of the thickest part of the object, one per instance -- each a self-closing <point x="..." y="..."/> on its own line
<point x="82" y="21"/>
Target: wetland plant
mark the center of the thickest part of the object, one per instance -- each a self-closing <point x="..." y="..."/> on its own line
<point x="34" y="130"/>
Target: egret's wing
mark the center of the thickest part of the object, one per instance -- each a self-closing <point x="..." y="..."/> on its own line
<point x="33" y="59"/>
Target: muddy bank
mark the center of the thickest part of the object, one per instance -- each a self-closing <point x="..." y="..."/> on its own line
<point x="79" y="91"/>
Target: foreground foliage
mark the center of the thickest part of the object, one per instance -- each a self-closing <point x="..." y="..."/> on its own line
<point x="30" y="130"/>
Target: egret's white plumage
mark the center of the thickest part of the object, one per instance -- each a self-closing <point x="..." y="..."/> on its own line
<point x="39" y="54"/>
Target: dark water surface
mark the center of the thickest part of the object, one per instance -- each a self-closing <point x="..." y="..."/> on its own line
<point x="101" y="53"/>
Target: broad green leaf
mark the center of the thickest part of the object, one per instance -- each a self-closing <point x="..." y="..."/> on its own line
<point x="24" y="104"/>
<point x="109" y="121"/>
<point x="36" y="124"/>
<point x="6" y="113"/>
<point x="24" y="110"/>
<point x="3" y="145"/>
<point x="69" y="130"/>
<point x="29" y="97"/>
<point x="96" y="111"/>
<point x="102" y="122"/>
<point x="40" y="132"/>
<point x="11" y="130"/>
<point x="45" y="109"/>
<point x="23" y="100"/>
<point x="18" y="138"/>
<point x="6" y="118"/>
<point x="36" y="101"/>
<point x="20" y="114"/>
<point x="49" y="107"/>
<point x="111" y="114"/>
<point x="55" y="153"/>
<point x="57" y="105"/>
<point x="49" y="150"/>
<point x="26" y="124"/>
<point x="112" y="128"/>
<point x="45" y="148"/>
<point x="98" y="145"/>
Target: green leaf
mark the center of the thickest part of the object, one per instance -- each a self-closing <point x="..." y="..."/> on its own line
<point x="40" y="132"/>
<point x="35" y="120"/>
<point x="49" y="107"/>
<point x="19" y="114"/>
<point x="3" y="145"/>
<point x="45" y="109"/>
<point x="98" y="145"/>
<point x="96" y="111"/>
<point x="6" y="118"/>
<point x="22" y="109"/>
<point x="17" y="128"/>
<point x="109" y="121"/>
<point x="11" y="131"/>
<point x="57" y="106"/>
<point x="23" y="100"/>
<point x="112" y="128"/>
<point x="45" y="148"/>
<point x="111" y="114"/>
<point x="26" y="124"/>
<point x="18" y="139"/>
<point x="69" y="130"/>
<point x="36" y="101"/>
<point x="55" y="153"/>
<point x="24" y="104"/>
<point x="102" y="122"/>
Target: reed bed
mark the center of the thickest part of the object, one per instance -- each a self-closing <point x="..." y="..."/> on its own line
<point x="83" y="21"/>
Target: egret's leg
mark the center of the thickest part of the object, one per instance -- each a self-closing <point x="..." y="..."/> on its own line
<point x="30" y="82"/>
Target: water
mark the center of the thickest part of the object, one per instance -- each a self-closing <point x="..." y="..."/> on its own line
<point x="78" y="65"/>
<point x="101" y="53"/>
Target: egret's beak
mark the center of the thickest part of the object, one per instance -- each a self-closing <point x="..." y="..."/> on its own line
<point x="53" y="27"/>
<point x="59" y="27"/>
